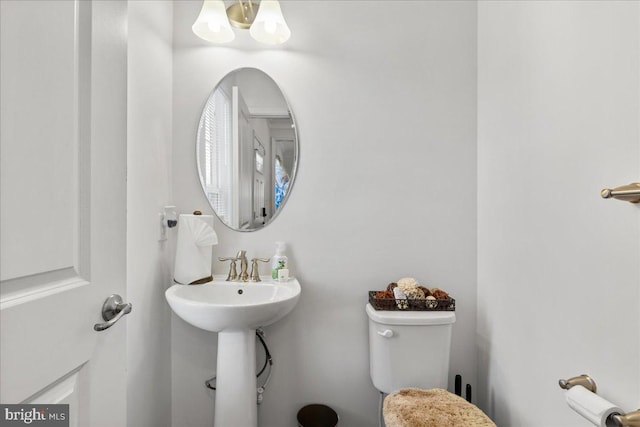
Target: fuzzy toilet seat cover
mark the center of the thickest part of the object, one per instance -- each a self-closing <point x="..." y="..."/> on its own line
<point x="431" y="408"/>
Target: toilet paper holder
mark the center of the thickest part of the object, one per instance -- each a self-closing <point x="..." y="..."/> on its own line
<point x="584" y="380"/>
<point x="631" y="419"/>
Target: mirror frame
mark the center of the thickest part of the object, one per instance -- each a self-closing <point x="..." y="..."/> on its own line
<point x="296" y="159"/>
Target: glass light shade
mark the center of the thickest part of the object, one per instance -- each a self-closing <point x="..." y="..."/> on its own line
<point x="212" y="24"/>
<point x="269" y="26"/>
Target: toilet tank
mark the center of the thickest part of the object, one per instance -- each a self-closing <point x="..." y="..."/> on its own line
<point x="409" y="348"/>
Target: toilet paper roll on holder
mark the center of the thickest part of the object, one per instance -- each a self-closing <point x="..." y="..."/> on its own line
<point x="631" y="419"/>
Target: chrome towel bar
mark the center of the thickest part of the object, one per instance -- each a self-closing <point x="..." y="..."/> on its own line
<point x="628" y="193"/>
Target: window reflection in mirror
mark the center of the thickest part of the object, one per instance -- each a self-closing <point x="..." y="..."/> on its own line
<point x="247" y="149"/>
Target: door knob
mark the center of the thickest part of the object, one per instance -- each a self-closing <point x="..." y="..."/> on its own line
<point x="112" y="310"/>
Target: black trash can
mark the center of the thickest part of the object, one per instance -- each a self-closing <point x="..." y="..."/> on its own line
<point x="317" y="415"/>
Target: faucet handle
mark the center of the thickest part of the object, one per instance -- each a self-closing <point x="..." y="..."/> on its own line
<point x="255" y="274"/>
<point x="233" y="273"/>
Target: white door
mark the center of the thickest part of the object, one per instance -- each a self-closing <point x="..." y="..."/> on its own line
<point x="63" y="194"/>
<point x="259" y="207"/>
<point x="243" y="161"/>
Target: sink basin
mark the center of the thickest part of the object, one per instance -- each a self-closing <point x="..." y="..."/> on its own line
<point x="221" y="305"/>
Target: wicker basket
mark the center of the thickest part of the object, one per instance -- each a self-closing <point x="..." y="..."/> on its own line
<point x="391" y="304"/>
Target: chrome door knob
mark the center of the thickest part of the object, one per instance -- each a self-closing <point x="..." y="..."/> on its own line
<point x="112" y="310"/>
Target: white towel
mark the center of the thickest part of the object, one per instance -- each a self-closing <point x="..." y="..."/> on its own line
<point x="194" y="248"/>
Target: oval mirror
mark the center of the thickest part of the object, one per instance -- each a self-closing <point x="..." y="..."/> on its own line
<point x="247" y="149"/>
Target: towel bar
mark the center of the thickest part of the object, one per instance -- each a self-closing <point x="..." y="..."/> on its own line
<point x="629" y="193"/>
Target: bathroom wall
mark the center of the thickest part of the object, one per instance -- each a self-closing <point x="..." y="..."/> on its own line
<point x="385" y="189"/>
<point x="148" y="190"/>
<point x="558" y="277"/>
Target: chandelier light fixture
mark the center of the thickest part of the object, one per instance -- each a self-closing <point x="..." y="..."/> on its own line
<point x="263" y="19"/>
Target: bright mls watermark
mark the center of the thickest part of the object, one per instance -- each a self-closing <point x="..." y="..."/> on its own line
<point x="34" y="415"/>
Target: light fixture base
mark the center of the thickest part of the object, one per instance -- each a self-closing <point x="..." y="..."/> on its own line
<point x="242" y="14"/>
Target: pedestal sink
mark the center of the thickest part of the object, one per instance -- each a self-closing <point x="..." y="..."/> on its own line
<point x="235" y="310"/>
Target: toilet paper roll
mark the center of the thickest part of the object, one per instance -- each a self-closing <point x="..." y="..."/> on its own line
<point x="591" y="406"/>
<point x="193" y="248"/>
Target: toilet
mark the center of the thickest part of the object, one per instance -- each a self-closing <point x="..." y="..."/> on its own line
<point x="409" y="349"/>
<point x="409" y="361"/>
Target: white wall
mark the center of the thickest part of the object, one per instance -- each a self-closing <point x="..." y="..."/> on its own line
<point x="148" y="190"/>
<point x="385" y="188"/>
<point x="558" y="279"/>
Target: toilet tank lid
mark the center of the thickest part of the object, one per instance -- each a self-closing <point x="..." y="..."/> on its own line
<point x="411" y="317"/>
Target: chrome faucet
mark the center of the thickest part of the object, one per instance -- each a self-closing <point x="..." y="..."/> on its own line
<point x="242" y="257"/>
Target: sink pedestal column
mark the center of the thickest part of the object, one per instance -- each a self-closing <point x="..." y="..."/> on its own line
<point x="236" y="394"/>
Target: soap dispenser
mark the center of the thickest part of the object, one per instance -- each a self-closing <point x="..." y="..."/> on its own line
<point x="279" y="262"/>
